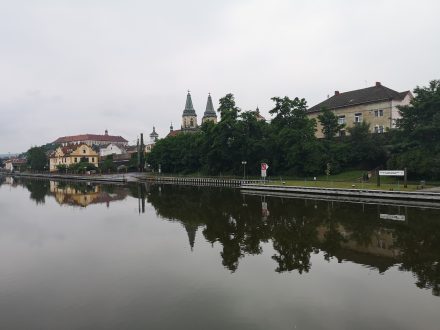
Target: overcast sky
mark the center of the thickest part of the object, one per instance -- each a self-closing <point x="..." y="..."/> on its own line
<point x="83" y="66"/>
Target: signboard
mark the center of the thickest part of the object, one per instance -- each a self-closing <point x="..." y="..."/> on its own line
<point x="392" y="173"/>
<point x="395" y="217"/>
<point x="264" y="168"/>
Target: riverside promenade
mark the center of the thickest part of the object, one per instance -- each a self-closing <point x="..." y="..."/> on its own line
<point x="259" y="187"/>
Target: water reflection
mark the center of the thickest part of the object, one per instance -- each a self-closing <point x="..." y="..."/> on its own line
<point x="298" y="228"/>
<point x="373" y="235"/>
<point x="79" y="194"/>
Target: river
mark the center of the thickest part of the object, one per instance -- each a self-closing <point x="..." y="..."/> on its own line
<point x="87" y="256"/>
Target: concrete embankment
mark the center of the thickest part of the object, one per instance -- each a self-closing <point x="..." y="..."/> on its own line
<point x="196" y="181"/>
<point x="88" y="178"/>
<point x="431" y="197"/>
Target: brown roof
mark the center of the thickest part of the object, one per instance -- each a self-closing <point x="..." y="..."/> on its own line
<point x="376" y="93"/>
<point x="174" y="133"/>
<point x="93" y="137"/>
<point x="16" y="161"/>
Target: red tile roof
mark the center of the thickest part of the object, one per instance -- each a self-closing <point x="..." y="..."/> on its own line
<point x="174" y="133"/>
<point x="91" y="137"/>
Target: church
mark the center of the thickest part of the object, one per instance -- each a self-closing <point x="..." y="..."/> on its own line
<point x="189" y="116"/>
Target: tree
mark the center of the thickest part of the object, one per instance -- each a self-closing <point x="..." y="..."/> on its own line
<point x="292" y="138"/>
<point x="417" y="147"/>
<point x="227" y="108"/>
<point x="364" y="151"/>
<point x="37" y="159"/>
<point x="330" y="125"/>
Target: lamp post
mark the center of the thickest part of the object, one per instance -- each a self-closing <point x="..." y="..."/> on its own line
<point x="244" y="169"/>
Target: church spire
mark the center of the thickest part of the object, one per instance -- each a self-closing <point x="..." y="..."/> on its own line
<point x="189" y="109"/>
<point x="189" y="116"/>
<point x="209" y="114"/>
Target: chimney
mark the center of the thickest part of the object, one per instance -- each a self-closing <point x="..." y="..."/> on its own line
<point x="336" y="92"/>
<point x="378" y="83"/>
<point x="106" y="132"/>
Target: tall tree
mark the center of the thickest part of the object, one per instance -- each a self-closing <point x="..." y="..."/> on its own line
<point x="293" y="142"/>
<point x="227" y="108"/>
<point x="37" y="159"/>
<point x="329" y="123"/>
<point x="417" y="147"/>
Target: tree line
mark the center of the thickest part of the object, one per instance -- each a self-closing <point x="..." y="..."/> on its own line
<point x="289" y="145"/>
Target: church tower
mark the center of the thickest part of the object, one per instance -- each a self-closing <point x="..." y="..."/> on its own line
<point x="154" y="136"/>
<point x="209" y="114"/>
<point x="189" y="116"/>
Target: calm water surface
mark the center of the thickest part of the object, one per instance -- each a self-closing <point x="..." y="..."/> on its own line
<point x="83" y="256"/>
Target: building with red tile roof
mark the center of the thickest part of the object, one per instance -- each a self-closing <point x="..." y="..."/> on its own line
<point x="92" y="139"/>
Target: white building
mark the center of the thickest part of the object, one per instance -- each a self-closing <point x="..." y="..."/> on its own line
<point x="111" y="149"/>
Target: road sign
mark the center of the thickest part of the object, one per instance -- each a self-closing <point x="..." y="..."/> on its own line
<point x="392" y="173"/>
<point x="264" y="168"/>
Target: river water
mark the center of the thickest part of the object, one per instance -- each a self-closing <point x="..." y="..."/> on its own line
<point x="86" y="256"/>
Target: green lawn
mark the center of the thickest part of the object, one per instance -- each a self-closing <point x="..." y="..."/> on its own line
<point x="347" y="185"/>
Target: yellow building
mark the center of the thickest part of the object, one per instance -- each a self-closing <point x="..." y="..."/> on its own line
<point x="376" y="105"/>
<point x="72" y="154"/>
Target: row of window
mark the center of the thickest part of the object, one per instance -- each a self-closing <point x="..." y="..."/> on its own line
<point x="76" y="160"/>
<point x="358" y="117"/>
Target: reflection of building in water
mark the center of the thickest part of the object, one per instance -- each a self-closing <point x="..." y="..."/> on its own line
<point x="191" y="230"/>
<point x="83" y="194"/>
<point x="376" y="249"/>
<point x="10" y="180"/>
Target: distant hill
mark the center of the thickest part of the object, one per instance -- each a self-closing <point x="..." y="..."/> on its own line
<point x="7" y="155"/>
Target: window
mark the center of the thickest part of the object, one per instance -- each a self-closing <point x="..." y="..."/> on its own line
<point x="378" y="129"/>
<point x="76" y="160"/>
<point x="341" y="120"/>
<point x="378" y="113"/>
<point x="342" y="132"/>
<point x="84" y="151"/>
<point x="358" y="117"/>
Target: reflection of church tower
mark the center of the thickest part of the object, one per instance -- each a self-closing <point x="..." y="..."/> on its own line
<point x="209" y="114"/>
<point x="191" y="231"/>
<point x="189" y="116"/>
<point x="154" y="136"/>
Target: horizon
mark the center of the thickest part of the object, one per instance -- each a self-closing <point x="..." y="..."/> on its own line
<point x="81" y="68"/>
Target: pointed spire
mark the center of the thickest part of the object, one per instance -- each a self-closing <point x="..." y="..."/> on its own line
<point x="191" y="230"/>
<point x="209" y="112"/>
<point x="189" y="109"/>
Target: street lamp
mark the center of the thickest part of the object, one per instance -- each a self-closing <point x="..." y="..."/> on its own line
<point x="244" y="169"/>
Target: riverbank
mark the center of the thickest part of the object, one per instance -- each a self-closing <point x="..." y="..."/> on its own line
<point x="110" y="178"/>
<point x="340" y="192"/>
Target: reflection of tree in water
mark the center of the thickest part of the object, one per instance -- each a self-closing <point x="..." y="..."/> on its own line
<point x="298" y="228"/>
<point x="38" y="190"/>
<point x="420" y="246"/>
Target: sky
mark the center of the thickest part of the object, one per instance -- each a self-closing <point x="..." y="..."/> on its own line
<point x="83" y="66"/>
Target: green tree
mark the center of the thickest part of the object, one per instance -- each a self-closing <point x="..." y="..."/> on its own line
<point x="416" y="145"/>
<point x="330" y="125"/>
<point x="365" y="152"/>
<point x="227" y="108"/>
<point x="293" y="143"/>
<point x="37" y="159"/>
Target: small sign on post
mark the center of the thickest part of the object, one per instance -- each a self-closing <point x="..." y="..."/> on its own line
<point x="392" y="173"/>
<point x="264" y="168"/>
